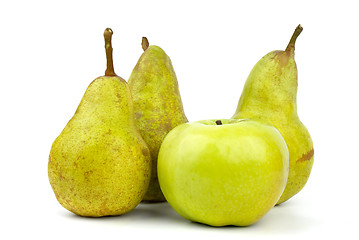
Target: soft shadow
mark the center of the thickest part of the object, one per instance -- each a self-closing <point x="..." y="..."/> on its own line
<point x="287" y="217"/>
<point x="202" y="225"/>
<point x="153" y="211"/>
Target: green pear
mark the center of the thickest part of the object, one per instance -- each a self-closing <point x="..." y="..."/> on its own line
<point x="157" y="104"/>
<point x="100" y="165"/>
<point x="270" y="94"/>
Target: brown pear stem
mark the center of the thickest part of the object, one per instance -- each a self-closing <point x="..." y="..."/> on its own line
<point x="145" y="43"/>
<point x="219" y="122"/>
<point x="296" y="33"/>
<point x="108" y="46"/>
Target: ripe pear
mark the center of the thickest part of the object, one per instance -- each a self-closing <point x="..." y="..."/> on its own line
<point x="100" y="165"/>
<point x="157" y="103"/>
<point x="270" y="94"/>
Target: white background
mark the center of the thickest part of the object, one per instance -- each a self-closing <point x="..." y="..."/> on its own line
<point x="50" y="52"/>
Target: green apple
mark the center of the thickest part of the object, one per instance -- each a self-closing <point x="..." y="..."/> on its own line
<point x="223" y="172"/>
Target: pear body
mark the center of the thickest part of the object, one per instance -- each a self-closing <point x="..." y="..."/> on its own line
<point x="270" y="94"/>
<point x="99" y="165"/>
<point x="157" y="105"/>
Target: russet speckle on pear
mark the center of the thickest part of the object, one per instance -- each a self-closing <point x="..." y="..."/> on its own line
<point x="270" y="94"/>
<point x="99" y="165"/>
<point x="157" y="103"/>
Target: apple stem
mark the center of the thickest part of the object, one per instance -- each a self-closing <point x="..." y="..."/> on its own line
<point x="219" y="122"/>
<point x="145" y="43"/>
<point x="295" y="35"/>
<point x="108" y="46"/>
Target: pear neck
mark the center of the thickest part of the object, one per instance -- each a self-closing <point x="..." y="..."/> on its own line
<point x="108" y="100"/>
<point x="271" y="86"/>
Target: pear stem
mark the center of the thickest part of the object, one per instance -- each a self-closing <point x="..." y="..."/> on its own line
<point x="219" y="122"/>
<point x="108" y="46"/>
<point x="145" y="43"/>
<point x="296" y="33"/>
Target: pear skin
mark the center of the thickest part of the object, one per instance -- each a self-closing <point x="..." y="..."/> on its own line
<point x="99" y="165"/>
<point x="157" y="104"/>
<point x="270" y="94"/>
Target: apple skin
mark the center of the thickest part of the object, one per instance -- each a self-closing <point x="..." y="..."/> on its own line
<point x="230" y="174"/>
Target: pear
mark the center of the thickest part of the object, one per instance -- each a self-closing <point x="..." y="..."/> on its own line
<point x="100" y="165"/>
<point x="157" y="104"/>
<point x="270" y="94"/>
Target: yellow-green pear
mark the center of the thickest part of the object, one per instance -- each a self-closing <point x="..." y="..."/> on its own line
<point x="157" y="103"/>
<point x="270" y="94"/>
<point x="99" y="165"/>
